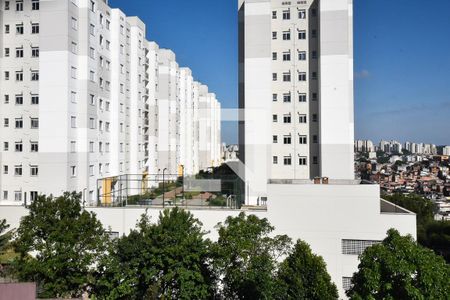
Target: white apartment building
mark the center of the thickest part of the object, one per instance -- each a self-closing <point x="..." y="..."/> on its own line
<point x="296" y="86"/>
<point x="364" y="146"/>
<point x="85" y="96"/>
<point x="446" y="150"/>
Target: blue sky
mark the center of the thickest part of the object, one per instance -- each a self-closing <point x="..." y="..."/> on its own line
<point x="402" y="60"/>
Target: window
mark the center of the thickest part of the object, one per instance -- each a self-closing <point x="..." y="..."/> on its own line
<point x="92" y="53"/>
<point x="287" y="119"/>
<point x="5" y="146"/>
<point x="314" y="75"/>
<point x="91" y="147"/>
<point x="18" y="147"/>
<point x="19" y="5"/>
<point x="92" y="29"/>
<point x="315" y="160"/>
<point x="302" y="140"/>
<point x="6" y="75"/>
<point x="34" y="171"/>
<point x="287" y="97"/>
<point x="275" y="160"/>
<point x="286" y="77"/>
<point x="19" y="52"/>
<point x="6" y="101"/>
<point x="274" y="14"/>
<point x="315" y="139"/>
<point x="302" y="161"/>
<point x="19" y="29"/>
<point x="92" y="76"/>
<point x="302" y="14"/>
<point x="274" y="97"/>
<point x="6" y="29"/>
<point x="301" y="97"/>
<point x="287" y="160"/>
<point x="302" y="35"/>
<point x="347" y="283"/>
<point x="34" y="147"/>
<point x="74" y="23"/>
<point x="18" y="170"/>
<point x="108" y="45"/>
<point x="314" y="33"/>
<point x="275" y="139"/>
<point x="274" y="77"/>
<point x="92" y="99"/>
<point x="91" y="170"/>
<point x="301" y="76"/>
<point x="35" y="28"/>
<point x="274" y="56"/>
<point x="286" y="56"/>
<point x="314" y="96"/>
<point x="302" y="55"/>
<point x="286" y="14"/>
<point x="18" y="196"/>
<point x="33" y="196"/>
<point x="73" y="97"/>
<point x="91" y="123"/>
<point x="314" y="54"/>
<point x="34" y="75"/>
<point x="19" y="76"/>
<point x="73" y="171"/>
<point x="274" y="35"/>
<point x="34" y="4"/>
<point x="356" y="247"/>
<point x="6" y="52"/>
<point x="34" y="123"/>
<point x="302" y="119"/>
<point x="5" y="170"/>
<point x="74" y="48"/>
<point x="19" y="123"/>
<point x="73" y="122"/>
<point x="19" y="99"/>
<point x="73" y="72"/>
<point x="286" y="35"/>
<point x="275" y="118"/>
<point x="34" y="51"/>
<point x="5" y="122"/>
<point x="73" y="146"/>
<point x="6" y="5"/>
<point x="92" y="6"/>
<point x="108" y="24"/>
<point x="287" y="140"/>
<point x="314" y="118"/>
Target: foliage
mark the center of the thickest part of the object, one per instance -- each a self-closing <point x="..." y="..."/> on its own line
<point x="4" y="237"/>
<point x="167" y="260"/>
<point x="218" y="201"/>
<point x="430" y="233"/>
<point x="400" y="269"/>
<point x="58" y="245"/>
<point x="303" y="275"/>
<point x="246" y="258"/>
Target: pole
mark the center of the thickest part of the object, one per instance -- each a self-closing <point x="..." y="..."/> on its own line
<point x="164" y="189"/>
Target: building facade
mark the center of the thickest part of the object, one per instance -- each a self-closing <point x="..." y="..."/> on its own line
<point x="296" y="87"/>
<point x="86" y="96"/>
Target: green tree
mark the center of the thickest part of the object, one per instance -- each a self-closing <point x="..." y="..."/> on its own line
<point x="58" y="244"/>
<point x="303" y="275"/>
<point x="246" y="258"/>
<point x="4" y="236"/>
<point x="166" y="260"/>
<point x="398" y="268"/>
<point x="430" y="233"/>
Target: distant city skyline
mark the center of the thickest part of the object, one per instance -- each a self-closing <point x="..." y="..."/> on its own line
<point x="402" y="71"/>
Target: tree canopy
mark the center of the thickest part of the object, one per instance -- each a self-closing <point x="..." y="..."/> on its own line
<point x="58" y="244"/>
<point x="166" y="260"/>
<point x="246" y="257"/>
<point x="4" y="236"/>
<point x="398" y="268"/>
<point x="303" y="275"/>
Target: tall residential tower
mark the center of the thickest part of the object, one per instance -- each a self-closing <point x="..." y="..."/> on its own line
<point x="296" y="89"/>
